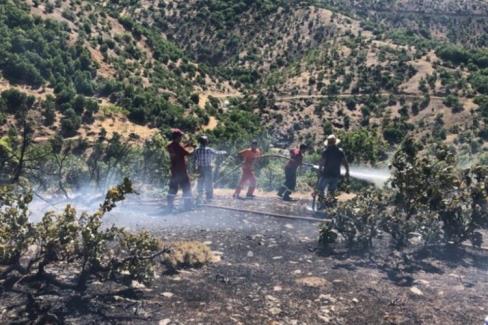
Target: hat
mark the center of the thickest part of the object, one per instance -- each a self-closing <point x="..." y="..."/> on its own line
<point x="176" y="133"/>
<point x="203" y="139"/>
<point x="331" y="137"/>
<point x="255" y="142"/>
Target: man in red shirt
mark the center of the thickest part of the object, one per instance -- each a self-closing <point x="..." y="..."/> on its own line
<point x="296" y="160"/>
<point x="249" y="155"/>
<point x="179" y="175"/>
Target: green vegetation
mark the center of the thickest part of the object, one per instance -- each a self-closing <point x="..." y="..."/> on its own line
<point x="363" y="146"/>
<point x="34" y="255"/>
<point x="35" y="52"/>
<point x="429" y="198"/>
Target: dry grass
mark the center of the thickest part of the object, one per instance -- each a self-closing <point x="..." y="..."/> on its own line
<point x="188" y="254"/>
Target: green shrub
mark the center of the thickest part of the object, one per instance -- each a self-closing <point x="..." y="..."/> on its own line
<point x="429" y="198"/>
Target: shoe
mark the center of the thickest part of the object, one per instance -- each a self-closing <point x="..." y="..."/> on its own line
<point x="236" y="196"/>
<point x="287" y="199"/>
<point x="280" y="194"/>
<point x="250" y="196"/>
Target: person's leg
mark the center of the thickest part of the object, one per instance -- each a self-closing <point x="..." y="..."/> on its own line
<point x="283" y="187"/>
<point x="239" y="187"/>
<point x="173" y="189"/>
<point x="200" y="183"/>
<point x="245" y="178"/>
<point x="321" y="192"/>
<point x="332" y="186"/>
<point x="291" y="182"/>
<point x="252" y="184"/>
<point x="186" y="186"/>
<point x="209" y="183"/>
<point x="321" y="185"/>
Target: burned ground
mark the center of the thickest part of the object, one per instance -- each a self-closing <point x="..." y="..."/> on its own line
<point x="271" y="272"/>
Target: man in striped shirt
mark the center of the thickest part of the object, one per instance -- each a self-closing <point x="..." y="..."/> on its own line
<point x="203" y="158"/>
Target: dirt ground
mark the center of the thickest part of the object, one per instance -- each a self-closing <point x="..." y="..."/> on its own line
<point x="271" y="272"/>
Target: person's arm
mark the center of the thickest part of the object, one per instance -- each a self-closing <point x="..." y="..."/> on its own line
<point x="218" y="152"/>
<point x="322" y="163"/>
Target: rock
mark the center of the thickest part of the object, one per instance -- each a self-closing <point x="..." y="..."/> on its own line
<point x="297" y="272"/>
<point x="164" y="321"/>
<point x="277" y="288"/>
<point x="274" y="311"/>
<point x="355" y="300"/>
<point x="289" y="226"/>
<point x="277" y="257"/>
<point x="312" y="281"/>
<point x="250" y="254"/>
<point x="167" y="294"/>
<point x="416" y="291"/>
<point x="137" y="285"/>
<point x="272" y="299"/>
<point x="216" y="258"/>
<point x="328" y="298"/>
<point x="325" y="319"/>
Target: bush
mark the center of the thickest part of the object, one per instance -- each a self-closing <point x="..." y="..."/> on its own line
<point x="363" y="146"/>
<point x="70" y="123"/>
<point x="64" y="237"/>
<point x="429" y="198"/>
<point x="357" y="222"/>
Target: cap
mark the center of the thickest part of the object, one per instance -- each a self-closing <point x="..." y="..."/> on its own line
<point x="203" y="139"/>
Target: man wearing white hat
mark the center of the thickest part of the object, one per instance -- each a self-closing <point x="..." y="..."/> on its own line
<point x="330" y="166"/>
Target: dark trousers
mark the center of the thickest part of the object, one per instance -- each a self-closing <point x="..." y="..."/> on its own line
<point x="290" y="183"/>
<point x="180" y="179"/>
<point x="205" y="182"/>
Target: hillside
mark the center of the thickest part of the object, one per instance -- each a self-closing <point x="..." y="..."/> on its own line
<point x="304" y="68"/>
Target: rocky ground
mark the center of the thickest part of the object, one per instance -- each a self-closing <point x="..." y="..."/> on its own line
<point x="271" y="272"/>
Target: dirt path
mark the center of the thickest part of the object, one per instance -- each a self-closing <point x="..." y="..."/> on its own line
<point x="347" y="95"/>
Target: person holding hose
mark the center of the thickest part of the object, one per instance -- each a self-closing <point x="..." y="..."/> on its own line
<point x="330" y="167"/>
<point x="295" y="161"/>
<point x="179" y="176"/>
<point x="203" y="158"/>
<point x="249" y="156"/>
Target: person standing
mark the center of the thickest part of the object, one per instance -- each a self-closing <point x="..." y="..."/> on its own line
<point x="330" y="167"/>
<point x="249" y="156"/>
<point x="295" y="161"/>
<point x="203" y="158"/>
<point x="179" y="176"/>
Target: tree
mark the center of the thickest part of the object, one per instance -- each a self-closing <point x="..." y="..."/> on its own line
<point x="20" y="105"/>
<point x="70" y="123"/>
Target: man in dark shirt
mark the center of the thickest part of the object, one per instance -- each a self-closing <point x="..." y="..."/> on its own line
<point x="179" y="175"/>
<point x="330" y="166"/>
<point x="296" y="160"/>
